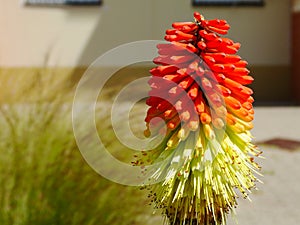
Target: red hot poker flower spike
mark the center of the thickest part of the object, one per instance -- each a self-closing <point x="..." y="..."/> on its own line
<point x="198" y="89"/>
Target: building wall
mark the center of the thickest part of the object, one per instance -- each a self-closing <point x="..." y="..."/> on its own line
<point x="296" y="5"/>
<point x="296" y="52"/>
<point x="72" y="37"/>
<point x="30" y="34"/>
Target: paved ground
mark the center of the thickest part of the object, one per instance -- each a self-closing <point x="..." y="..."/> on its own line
<point x="273" y="122"/>
<point x="277" y="202"/>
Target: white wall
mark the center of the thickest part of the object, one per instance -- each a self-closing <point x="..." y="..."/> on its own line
<point x="76" y="36"/>
<point x="29" y="34"/>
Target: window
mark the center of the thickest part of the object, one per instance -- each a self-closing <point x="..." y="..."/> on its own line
<point x="228" y="2"/>
<point x="62" y="2"/>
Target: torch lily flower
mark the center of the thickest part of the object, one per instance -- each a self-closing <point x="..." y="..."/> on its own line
<point x="199" y="92"/>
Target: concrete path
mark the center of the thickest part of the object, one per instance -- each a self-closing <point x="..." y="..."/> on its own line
<point x="278" y="200"/>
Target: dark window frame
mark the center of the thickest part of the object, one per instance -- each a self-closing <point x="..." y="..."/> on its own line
<point x="63" y="2"/>
<point x="227" y="3"/>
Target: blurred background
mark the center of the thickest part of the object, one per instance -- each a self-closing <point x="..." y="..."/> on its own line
<point x="72" y="37"/>
<point x="44" y="50"/>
